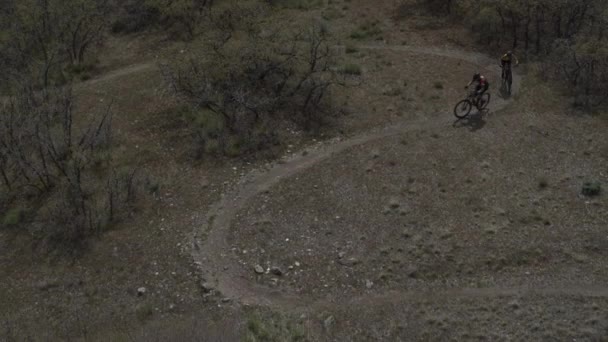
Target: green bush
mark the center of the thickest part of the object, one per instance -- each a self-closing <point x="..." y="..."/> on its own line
<point x="239" y="91"/>
<point x="350" y="69"/>
<point x="367" y="30"/>
<point x="591" y="189"/>
<point x="13" y="217"/>
<point x="273" y="327"/>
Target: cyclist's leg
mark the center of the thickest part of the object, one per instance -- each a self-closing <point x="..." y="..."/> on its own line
<point x="480" y="98"/>
<point x="478" y="92"/>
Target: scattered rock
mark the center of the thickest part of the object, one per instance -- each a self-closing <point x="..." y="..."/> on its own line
<point x="207" y="287"/>
<point x="349" y="262"/>
<point x="47" y="284"/>
<point x="226" y="300"/>
<point x="412" y="272"/>
<point x="259" y="269"/>
<point x="328" y="322"/>
<point x="375" y="154"/>
<point x="141" y="291"/>
<point x="276" y="271"/>
<point x="394" y="203"/>
<point x="369" y="284"/>
<point x="341" y="255"/>
<point x="297" y="264"/>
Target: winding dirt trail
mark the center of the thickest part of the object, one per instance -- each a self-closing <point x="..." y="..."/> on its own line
<point x="212" y="253"/>
<point x="128" y="70"/>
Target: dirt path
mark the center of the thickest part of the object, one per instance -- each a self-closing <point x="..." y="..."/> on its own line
<point x="212" y="253"/>
<point x="131" y="69"/>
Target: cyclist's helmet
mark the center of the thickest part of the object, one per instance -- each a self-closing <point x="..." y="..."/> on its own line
<point x="476" y="76"/>
<point x="509" y="53"/>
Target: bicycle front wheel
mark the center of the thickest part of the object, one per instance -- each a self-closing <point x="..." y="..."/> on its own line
<point x="463" y="108"/>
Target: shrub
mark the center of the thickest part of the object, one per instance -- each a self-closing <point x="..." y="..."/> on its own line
<point x="297" y="4"/>
<point x="591" y="189"/>
<point x="366" y="30"/>
<point x="272" y="327"/>
<point x="238" y="91"/>
<point x="71" y="193"/>
<point x="350" y="69"/>
<point x="13" y="217"/>
<point x="392" y="92"/>
<point x="135" y="16"/>
<point x="351" y="49"/>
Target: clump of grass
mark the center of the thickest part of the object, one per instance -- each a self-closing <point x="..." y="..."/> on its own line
<point x="367" y="30"/>
<point x="351" y="49"/>
<point x="272" y="327"/>
<point x="392" y="92"/>
<point x="152" y="186"/>
<point x="13" y="217"/>
<point x="350" y="69"/>
<point x="543" y="183"/>
<point x="299" y="4"/>
<point x="357" y="34"/>
<point x="591" y="189"/>
<point x="144" y="311"/>
<point x="332" y="14"/>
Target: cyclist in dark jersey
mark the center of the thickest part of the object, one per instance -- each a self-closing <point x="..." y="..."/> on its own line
<point x="481" y="84"/>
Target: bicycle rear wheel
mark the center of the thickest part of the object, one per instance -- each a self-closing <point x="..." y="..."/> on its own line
<point x="463" y="108"/>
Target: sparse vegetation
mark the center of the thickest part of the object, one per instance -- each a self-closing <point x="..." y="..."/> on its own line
<point x="350" y="69"/>
<point x="351" y="49"/>
<point x="567" y="38"/>
<point x="239" y="91"/>
<point x="13" y="217"/>
<point x="367" y="30"/>
<point x="46" y="39"/>
<point x="42" y="150"/>
<point x="591" y="189"/>
<point x="393" y="92"/>
<point x="297" y="4"/>
<point x="273" y="327"/>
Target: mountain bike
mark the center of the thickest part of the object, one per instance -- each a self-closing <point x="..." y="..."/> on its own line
<point x="463" y="108"/>
<point x="507" y="77"/>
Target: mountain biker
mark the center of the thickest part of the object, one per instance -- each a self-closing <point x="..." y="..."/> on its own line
<point x="481" y="85"/>
<point x="507" y="58"/>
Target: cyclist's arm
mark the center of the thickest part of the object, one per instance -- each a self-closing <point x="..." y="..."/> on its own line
<point x="516" y="60"/>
